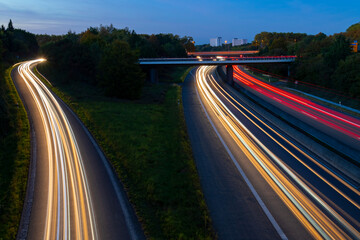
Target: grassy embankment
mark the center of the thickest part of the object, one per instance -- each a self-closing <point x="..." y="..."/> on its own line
<point x="14" y="156"/>
<point x="147" y="143"/>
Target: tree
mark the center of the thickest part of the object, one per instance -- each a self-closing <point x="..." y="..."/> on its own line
<point x="118" y="71"/>
<point x="10" y="26"/>
<point x="188" y="43"/>
<point x="347" y="75"/>
<point x="338" y="50"/>
<point x="353" y="32"/>
<point x="1" y="50"/>
<point x="278" y="46"/>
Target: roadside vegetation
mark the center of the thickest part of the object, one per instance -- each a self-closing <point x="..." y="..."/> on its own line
<point x="14" y="156"/>
<point x="226" y="47"/>
<point x="15" y="44"/>
<point x="323" y="61"/>
<point x="140" y="126"/>
<point x="146" y="141"/>
<point x="106" y="57"/>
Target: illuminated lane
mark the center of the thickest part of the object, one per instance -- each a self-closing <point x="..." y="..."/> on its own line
<point x="75" y="193"/>
<point x="333" y="123"/>
<point x="326" y="205"/>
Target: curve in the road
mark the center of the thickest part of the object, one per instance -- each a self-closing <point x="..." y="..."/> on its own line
<point x="76" y="194"/>
<point x="273" y="156"/>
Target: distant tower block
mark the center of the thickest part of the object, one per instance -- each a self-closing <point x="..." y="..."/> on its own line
<point x="215" y="42"/>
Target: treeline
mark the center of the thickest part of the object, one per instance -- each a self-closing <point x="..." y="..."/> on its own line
<point x="107" y="57"/>
<point x="323" y="60"/>
<point x="16" y="44"/>
<point x="225" y="47"/>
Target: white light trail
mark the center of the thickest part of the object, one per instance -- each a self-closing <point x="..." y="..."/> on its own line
<point x="303" y="207"/>
<point x="69" y="211"/>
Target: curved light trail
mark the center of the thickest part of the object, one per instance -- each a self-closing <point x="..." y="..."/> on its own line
<point x="326" y="205"/>
<point x="69" y="212"/>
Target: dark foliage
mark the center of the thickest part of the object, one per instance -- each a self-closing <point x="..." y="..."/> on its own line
<point x="225" y="47"/>
<point x="16" y="44"/>
<point x="353" y="32"/>
<point x="322" y="59"/>
<point x="347" y="75"/>
<point x="118" y="71"/>
<point x="107" y="57"/>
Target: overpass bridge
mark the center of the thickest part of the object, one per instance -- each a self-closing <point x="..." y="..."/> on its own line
<point x="221" y="53"/>
<point x="218" y="60"/>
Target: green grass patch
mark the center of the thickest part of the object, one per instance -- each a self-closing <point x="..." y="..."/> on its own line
<point x="146" y="141"/>
<point x="328" y="95"/>
<point x="172" y="74"/>
<point x="264" y="77"/>
<point x="14" y="156"/>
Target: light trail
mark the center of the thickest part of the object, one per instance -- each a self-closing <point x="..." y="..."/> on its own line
<point x="326" y="116"/>
<point x="315" y="213"/>
<point x="247" y="112"/>
<point x="69" y="212"/>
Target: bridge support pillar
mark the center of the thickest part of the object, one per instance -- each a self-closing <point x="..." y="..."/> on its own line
<point x="229" y="74"/>
<point x="154" y="77"/>
<point x="288" y="70"/>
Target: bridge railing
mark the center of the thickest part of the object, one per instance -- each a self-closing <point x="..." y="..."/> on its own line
<point x="218" y="58"/>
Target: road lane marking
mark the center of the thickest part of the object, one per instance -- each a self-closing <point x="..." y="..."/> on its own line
<point x="251" y="187"/>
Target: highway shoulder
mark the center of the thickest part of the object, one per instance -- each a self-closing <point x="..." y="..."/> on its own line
<point x="233" y="208"/>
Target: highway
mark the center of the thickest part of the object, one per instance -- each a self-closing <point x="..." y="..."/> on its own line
<point x="288" y="185"/>
<point x="76" y="194"/>
<point x="331" y="122"/>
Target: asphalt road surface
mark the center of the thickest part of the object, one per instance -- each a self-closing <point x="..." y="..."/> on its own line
<point x="76" y="193"/>
<point x="258" y="182"/>
<point x="333" y="123"/>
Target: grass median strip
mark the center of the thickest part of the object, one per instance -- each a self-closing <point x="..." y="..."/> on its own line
<point x="147" y="143"/>
<point x="14" y="156"/>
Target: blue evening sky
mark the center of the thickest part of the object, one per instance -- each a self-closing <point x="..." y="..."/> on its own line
<point x="200" y="19"/>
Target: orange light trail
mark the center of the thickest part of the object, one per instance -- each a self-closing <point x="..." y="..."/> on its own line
<point x="296" y="193"/>
<point x="69" y="197"/>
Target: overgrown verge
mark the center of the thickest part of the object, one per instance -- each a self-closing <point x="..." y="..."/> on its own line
<point x="146" y="141"/>
<point x="14" y="156"/>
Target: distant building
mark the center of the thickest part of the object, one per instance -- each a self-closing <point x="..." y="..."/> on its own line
<point x="215" y="42"/>
<point x="238" y="42"/>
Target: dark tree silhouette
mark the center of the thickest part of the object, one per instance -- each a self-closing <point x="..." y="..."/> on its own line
<point x="10" y="26"/>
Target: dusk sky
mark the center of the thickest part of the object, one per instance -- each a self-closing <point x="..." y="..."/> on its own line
<point x="200" y="19"/>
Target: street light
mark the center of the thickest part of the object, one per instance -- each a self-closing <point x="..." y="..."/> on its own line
<point x="226" y="44"/>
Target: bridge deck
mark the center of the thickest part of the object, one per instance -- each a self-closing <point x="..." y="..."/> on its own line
<point x="222" y="53"/>
<point x="216" y="61"/>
